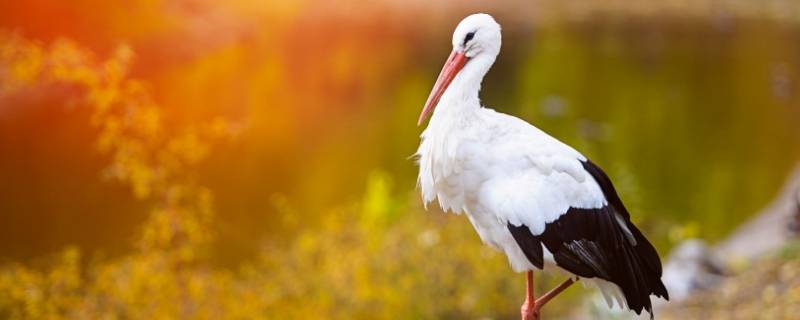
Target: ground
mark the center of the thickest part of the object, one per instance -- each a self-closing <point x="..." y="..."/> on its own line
<point x="766" y="289"/>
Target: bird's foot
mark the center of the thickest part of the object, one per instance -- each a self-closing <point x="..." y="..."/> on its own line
<point x="529" y="310"/>
<point x="531" y="307"/>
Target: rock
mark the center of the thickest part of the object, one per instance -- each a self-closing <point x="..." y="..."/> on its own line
<point x="768" y="230"/>
<point x="691" y="267"/>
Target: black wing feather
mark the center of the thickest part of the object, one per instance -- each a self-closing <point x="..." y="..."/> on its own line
<point x="591" y="243"/>
<point x="531" y="246"/>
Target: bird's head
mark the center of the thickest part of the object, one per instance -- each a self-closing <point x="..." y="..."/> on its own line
<point x="478" y="35"/>
<point x="476" y="43"/>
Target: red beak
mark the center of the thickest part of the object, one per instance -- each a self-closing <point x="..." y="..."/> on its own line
<point x="451" y="68"/>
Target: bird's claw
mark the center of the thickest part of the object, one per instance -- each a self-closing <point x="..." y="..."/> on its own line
<point x="529" y="311"/>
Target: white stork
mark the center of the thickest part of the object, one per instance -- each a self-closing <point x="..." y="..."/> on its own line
<point x="527" y="194"/>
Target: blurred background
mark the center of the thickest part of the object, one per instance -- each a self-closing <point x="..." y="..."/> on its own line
<point x="250" y="159"/>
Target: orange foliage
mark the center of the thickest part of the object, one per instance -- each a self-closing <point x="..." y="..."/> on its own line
<point x="375" y="259"/>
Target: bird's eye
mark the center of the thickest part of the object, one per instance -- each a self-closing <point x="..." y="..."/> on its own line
<point x="469" y="37"/>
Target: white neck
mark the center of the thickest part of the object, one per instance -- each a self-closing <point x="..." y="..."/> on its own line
<point x="461" y="97"/>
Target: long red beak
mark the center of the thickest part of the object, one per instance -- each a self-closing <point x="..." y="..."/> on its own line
<point x="451" y="68"/>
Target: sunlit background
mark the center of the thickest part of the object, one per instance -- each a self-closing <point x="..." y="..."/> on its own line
<point x="250" y="159"/>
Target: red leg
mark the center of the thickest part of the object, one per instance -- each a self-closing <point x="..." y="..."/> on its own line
<point x="531" y="307"/>
<point x="528" y="309"/>
<point x="552" y="293"/>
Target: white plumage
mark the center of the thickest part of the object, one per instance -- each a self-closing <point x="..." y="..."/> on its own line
<point x="499" y="170"/>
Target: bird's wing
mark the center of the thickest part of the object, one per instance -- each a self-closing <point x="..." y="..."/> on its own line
<point x="535" y="177"/>
<point x="557" y="198"/>
<point x="542" y="192"/>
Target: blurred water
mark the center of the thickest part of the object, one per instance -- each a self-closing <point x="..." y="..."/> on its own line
<point x="695" y="119"/>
